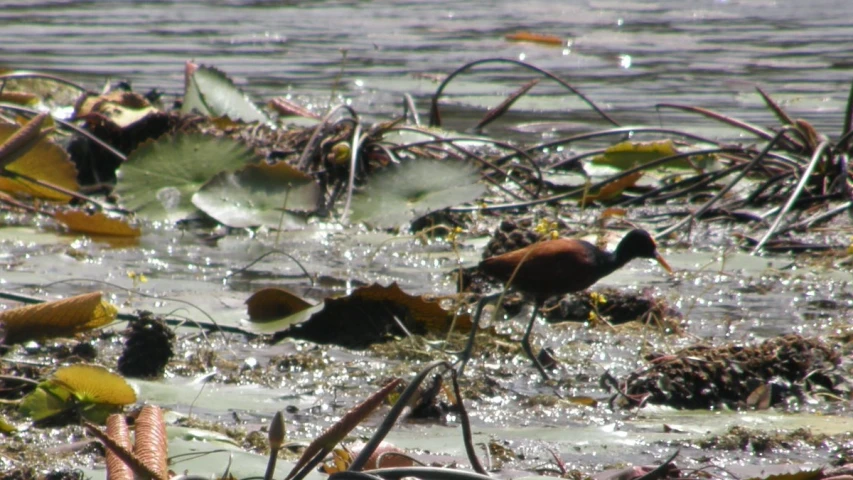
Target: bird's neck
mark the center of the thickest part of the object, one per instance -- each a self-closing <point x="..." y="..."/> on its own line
<point x="609" y="262"/>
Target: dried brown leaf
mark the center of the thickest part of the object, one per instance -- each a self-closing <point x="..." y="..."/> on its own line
<point x="97" y="223"/>
<point x="117" y="430"/>
<point x="273" y="303"/>
<point x="152" y="445"/>
<point x="26" y="152"/>
<point x="57" y="319"/>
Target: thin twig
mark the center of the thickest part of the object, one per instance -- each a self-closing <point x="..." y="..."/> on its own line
<point x="698" y="213"/>
<point x="806" y="175"/>
<point x="495" y="113"/>
<point x="410" y="109"/>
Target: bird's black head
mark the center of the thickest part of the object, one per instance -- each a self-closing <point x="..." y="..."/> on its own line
<point x="639" y="244"/>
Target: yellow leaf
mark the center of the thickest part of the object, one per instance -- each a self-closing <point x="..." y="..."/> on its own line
<point x="59" y="318"/>
<point x="97" y="223"/>
<point x="612" y="189"/>
<point x="627" y="155"/>
<point x="119" y="107"/>
<point x="584" y="401"/>
<point x="95" y="384"/>
<point x="43" y="161"/>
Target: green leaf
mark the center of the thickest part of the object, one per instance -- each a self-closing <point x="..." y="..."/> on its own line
<point x="6" y="428"/>
<point x="210" y="92"/>
<point x="413" y="189"/>
<point x="259" y="195"/>
<point x="159" y="178"/>
<point x="93" y="389"/>
<point x="47" y="400"/>
<point x="627" y="155"/>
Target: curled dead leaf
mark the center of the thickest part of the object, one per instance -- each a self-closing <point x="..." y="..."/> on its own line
<point x="273" y="303"/>
<point x="612" y="189"/>
<point x="371" y="313"/>
<point x="117" y="430"/>
<point x="152" y="445"/>
<point x="34" y="157"/>
<point x="97" y="223"/>
<point x="57" y="319"/>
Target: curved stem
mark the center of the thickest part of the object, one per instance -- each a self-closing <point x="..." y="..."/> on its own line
<point x="806" y="175"/>
<point x="390" y="419"/>
<point x="435" y="117"/>
<point x="353" y="164"/>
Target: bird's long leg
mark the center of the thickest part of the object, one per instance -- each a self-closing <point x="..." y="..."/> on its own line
<point x="475" y="325"/>
<point x="525" y="341"/>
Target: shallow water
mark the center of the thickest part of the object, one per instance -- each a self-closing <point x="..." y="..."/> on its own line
<point x="626" y="56"/>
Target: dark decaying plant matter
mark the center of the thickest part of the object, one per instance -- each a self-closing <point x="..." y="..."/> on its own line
<point x="787" y="180"/>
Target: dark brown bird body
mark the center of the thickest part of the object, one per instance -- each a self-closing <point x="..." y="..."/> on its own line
<point x="549" y="268"/>
<point x="564" y="265"/>
<point x="556" y="267"/>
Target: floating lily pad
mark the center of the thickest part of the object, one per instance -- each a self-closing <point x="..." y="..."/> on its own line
<point x="210" y="92"/>
<point x="93" y="390"/>
<point x="369" y="315"/>
<point x="159" y="178"/>
<point x="274" y="303"/>
<point x="413" y="189"/>
<point x="259" y="195"/>
<point x="627" y="155"/>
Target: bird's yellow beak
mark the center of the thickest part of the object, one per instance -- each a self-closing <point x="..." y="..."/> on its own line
<point x="663" y="263"/>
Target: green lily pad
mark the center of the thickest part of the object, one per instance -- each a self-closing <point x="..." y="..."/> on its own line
<point x="259" y="195"/>
<point x="627" y="155"/>
<point x="210" y="92"/>
<point x="45" y="401"/>
<point x="93" y="390"/>
<point x="159" y="178"/>
<point x="412" y="189"/>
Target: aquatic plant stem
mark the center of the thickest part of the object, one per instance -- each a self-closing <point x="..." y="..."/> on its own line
<point x="353" y="164"/>
<point x="806" y="175"/>
<point x="435" y="116"/>
<point x="704" y="208"/>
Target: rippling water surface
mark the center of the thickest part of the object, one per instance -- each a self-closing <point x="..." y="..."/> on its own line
<point x="626" y="55"/>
